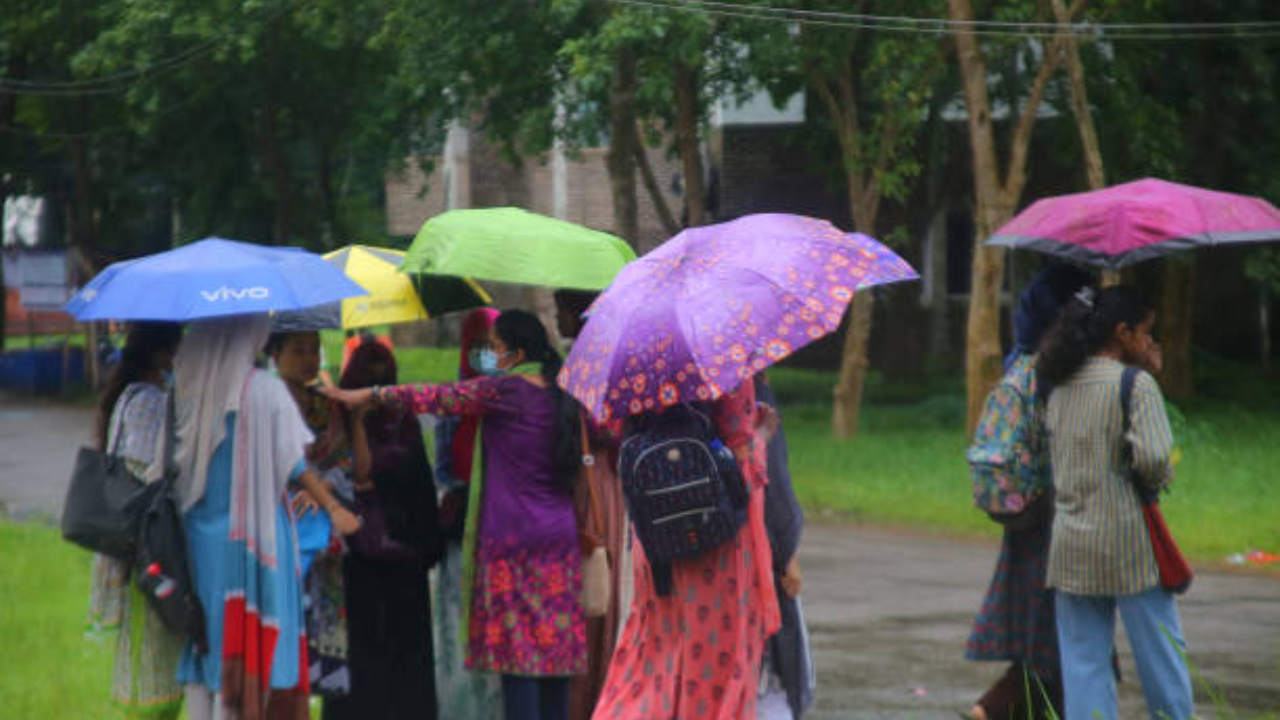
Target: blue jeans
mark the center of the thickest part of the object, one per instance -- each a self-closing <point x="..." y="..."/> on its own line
<point x="1086" y="636"/>
<point x="535" y="698"/>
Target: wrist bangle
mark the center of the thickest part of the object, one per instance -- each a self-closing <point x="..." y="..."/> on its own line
<point x="377" y="394"/>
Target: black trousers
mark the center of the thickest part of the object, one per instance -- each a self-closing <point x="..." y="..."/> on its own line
<point x="389" y="643"/>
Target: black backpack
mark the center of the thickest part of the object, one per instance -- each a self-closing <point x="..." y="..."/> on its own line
<point x="684" y="490"/>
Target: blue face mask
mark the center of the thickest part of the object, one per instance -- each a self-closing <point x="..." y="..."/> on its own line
<point x="485" y="362"/>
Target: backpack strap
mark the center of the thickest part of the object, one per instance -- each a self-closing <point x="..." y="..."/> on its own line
<point x="1129" y="378"/>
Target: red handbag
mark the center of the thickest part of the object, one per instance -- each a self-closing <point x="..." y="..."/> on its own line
<point x="1175" y="574"/>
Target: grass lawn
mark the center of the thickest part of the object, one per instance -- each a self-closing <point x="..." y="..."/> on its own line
<point x="50" y="671"/>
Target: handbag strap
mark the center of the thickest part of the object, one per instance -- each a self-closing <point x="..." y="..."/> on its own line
<point x="170" y="474"/>
<point x="117" y="418"/>
<point x="589" y="462"/>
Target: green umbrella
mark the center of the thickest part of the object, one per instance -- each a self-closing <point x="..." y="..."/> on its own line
<point x="511" y="245"/>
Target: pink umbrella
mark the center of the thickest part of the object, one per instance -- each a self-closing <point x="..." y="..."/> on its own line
<point x="1137" y="221"/>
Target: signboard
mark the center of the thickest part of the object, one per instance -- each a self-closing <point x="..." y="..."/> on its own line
<point x="40" y="276"/>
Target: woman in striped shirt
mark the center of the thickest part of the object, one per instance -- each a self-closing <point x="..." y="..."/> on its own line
<point x="1100" y="559"/>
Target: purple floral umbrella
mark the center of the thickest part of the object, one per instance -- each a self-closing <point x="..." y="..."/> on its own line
<point x="1137" y="221"/>
<point x="715" y="305"/>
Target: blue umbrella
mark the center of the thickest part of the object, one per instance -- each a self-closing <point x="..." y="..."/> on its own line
<point x="211" y="278"/>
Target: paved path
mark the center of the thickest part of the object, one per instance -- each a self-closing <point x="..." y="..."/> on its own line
<point x="889" y="610"/>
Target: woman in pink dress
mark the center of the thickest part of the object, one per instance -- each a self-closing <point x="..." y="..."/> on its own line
<point x="695" y="653"/>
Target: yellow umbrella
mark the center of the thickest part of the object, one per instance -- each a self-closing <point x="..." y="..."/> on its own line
<point x="393" y="297"/>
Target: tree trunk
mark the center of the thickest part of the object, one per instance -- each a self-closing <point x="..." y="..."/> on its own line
<point x="982" y="334"/>
<point x="622" y="138"/>
<point x="1095" y="172"/>
<point x="1174" y="318"/>
<point x="1080" y="102"/>
<point x="651" y="187"/>
<point x="847" y="395"/>
<point x="996" y="200"/>
<point x="278" y="170"/>
<point x="847" y="406"/>
<point x="685" y="84"/>
<point x="328" y="194"/>
<point x="1264" y="331"/>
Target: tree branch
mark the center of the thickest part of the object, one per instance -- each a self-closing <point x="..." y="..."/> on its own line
<point x="651" y="185"/>
<point x="1012" y="185"/>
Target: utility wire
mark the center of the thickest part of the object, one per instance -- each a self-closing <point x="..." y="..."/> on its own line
<point x="126" y="79"/>
<point x="939" y="26"/>
<point x="184" y="104"/>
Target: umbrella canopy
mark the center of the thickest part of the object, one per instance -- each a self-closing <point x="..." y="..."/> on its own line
<point x="715" y="305"/>
<point x="211" y="278"/>
<point x="511" y="245"/>
<point x="393" y="297"/>
<point x="1137" y="221"/>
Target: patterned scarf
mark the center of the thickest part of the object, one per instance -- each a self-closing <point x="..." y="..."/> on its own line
<point x="269" y="440"/>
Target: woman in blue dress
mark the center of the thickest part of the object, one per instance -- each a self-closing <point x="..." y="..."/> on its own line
<point x="240" y="441"/>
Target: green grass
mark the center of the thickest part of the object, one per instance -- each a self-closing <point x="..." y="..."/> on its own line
<point x="907" y="465"/>
<point x="51" y="670"/>
<point x="415" y="364"/>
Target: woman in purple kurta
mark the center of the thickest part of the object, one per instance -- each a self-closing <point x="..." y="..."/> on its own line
<point x="525" y="618"/>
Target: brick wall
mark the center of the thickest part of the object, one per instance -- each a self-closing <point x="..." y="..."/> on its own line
<point x="413" y="196"/>
<point x="763" y="169"/>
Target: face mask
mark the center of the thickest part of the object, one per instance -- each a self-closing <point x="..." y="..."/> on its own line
<point x="485" y="362"/>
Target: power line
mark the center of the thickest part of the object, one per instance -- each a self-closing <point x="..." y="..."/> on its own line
<point x="124" y="80"/>
<point x="189" y="101"/>
<point x="937" y="26"/>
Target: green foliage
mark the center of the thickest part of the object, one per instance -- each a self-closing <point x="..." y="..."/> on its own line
<point x="493" y="61"/>
<point x="871" y="91"/>
<point x="1188" y="111"/>
<point x="270" y="120"/>
<point x="1263" y="267"/>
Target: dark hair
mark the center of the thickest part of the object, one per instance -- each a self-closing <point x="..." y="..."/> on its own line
<point x="1084" y="327"/>
<point x="358" y="374"/>
<point x="145" y="339"/>
<point x="521" y="330"/>
<point x="277" y="339"/>
<point x="570" y="305"/>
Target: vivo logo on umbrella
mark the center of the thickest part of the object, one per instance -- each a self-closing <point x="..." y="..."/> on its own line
<point x="229" y="293"/>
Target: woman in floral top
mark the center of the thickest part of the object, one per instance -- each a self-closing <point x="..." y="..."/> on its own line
<point x="525" y="618"/>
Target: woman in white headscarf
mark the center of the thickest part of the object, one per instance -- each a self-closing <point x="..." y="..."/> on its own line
<point x="240" y="443"/>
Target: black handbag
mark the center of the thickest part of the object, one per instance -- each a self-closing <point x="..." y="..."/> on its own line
<point x="162" y="570"/>
<point x="110" y="511"/>
<point x="103" y="504"/>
